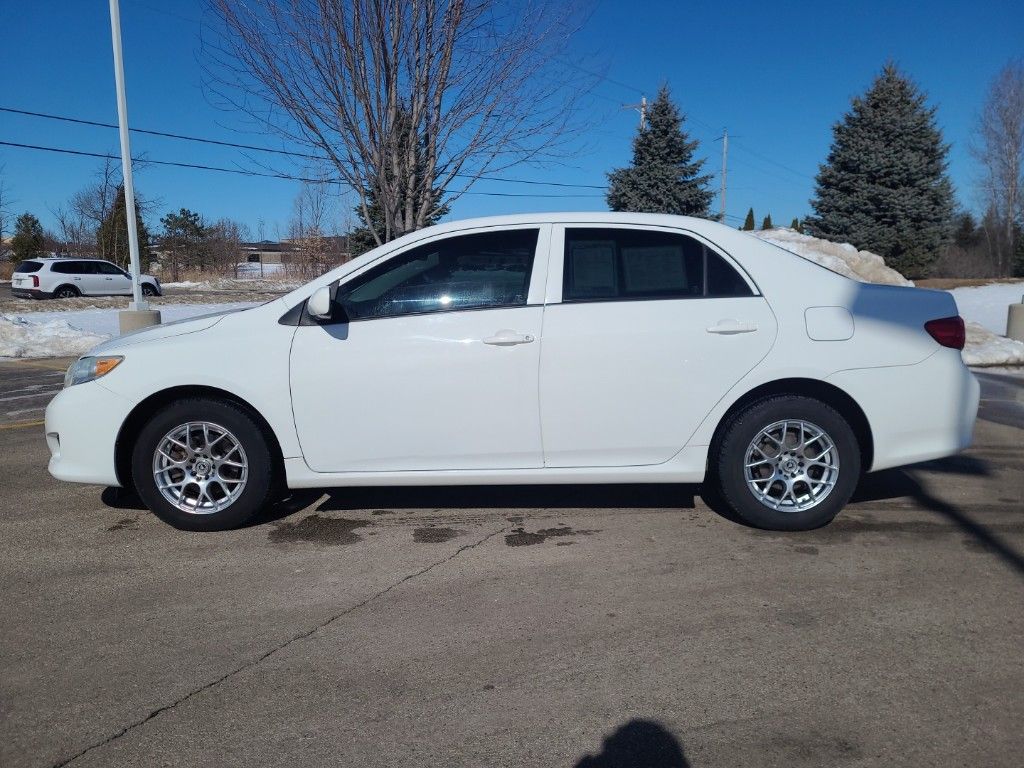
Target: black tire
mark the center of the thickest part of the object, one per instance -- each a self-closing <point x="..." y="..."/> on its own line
<point x="149" y="290"/>
<point x="259" y="486"/>
<point x="66" y="292"/>
<point x="728" y="457"/>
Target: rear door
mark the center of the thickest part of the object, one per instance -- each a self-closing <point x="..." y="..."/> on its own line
<point x="644" y="331"/>
<point x="77" y="273"/>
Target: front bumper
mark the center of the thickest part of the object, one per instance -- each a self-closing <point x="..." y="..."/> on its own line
<point x="82" y="423"/>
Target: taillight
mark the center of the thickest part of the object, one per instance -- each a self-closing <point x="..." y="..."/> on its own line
<point x="35" y="281"/>
<point x="948" y="331"/>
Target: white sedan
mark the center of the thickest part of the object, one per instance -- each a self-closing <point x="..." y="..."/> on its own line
<point x="550" y="348"/>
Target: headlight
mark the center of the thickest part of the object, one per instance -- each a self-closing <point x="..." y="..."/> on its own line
<point x="90" y="368"/>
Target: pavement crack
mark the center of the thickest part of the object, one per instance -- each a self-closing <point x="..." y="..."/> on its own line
<point x="260" y="659"/>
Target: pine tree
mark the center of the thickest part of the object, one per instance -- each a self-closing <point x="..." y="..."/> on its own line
<point x="112" y="235"/>
<point x="664" y="177"/>
<point x="748" y="223"/>
<point x="766" y="222"/>
<point x="795" y="224"/>
<point x="884" y="186"/>
<point x="28" y="237"/>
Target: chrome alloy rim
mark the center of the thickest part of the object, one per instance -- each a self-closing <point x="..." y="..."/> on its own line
<point x="200" y="467"/>
<point x="791" y="466"/>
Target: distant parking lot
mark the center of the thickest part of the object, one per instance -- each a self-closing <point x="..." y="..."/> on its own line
<point x="563" y="626"/>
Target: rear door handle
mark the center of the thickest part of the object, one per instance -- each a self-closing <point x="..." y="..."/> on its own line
<point x="507" y="338"/>
<point x="731" y="327"/>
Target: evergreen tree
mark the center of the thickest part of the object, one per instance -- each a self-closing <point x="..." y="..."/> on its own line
<point x="795" y="224"/>
<point x="884" y="186"/>
<point x="112" y="235"/>
<point x="28" y="237"/>
<point x="748" y="223"/>
<point x="766" y="222"/>
<point x="664" y="177"/>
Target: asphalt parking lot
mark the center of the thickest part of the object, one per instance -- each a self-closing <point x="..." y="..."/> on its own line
<point x="565" y="626"/>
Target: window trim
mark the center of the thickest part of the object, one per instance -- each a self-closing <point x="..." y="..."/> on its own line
<point x="556" y="288"/>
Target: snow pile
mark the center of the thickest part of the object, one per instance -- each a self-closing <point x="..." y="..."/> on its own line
<point x="987" y="304"/>
<point x="839" y="257"/>
<point x="50" y="338"/>
<point x="71" y="333"/>
<point x="986" y="348"/>
<point x="254" y="283"/>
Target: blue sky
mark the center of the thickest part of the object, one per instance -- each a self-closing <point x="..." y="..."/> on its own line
<point x="777" y="75"/>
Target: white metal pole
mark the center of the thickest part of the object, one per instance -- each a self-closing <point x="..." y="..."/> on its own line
<point x="126" y="158"/>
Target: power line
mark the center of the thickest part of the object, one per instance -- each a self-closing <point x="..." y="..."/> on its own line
<point x="244" y="172"/>
<point x="254" y="148"/>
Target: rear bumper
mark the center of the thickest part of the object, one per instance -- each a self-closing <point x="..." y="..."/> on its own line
<point x="29" y="293"/>
<point x="82" y="423"/>
<point x="916" y="412"/>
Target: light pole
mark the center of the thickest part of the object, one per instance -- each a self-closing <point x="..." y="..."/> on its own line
<point x="138" y="314"/>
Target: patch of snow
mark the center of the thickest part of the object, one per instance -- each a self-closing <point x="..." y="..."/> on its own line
<point x="71" y="333"/>
<point x="839" y="257"/>
<point x="985" y="348"/>
<point x="52" y="338"/>
<point x="987" y="304"/>
<point x="251" y="283"/>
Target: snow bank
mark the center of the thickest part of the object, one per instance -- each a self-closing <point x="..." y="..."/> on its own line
<point x="71" y="333"/>
<point x="50" y="338"/>
<point x="987" y="304"/>
<point x="986" y="348"/>
<point x="253" y="283"/>
<point x="839" y="257"/>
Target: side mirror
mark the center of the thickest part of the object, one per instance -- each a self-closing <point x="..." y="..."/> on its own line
<point x="319" y="304"/>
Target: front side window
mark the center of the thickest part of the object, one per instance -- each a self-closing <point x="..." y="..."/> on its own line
<point x="106" y="268"/>
<point x="626" y="264"/>
<point x="463" y="272"/>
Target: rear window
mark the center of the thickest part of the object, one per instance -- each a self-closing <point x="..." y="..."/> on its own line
<point x="29" y="266"/>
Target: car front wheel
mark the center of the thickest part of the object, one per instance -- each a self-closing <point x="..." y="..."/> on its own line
<point x="203" y="465"/>
<point x="788" y="463"/>
<point x="149" y="290"/>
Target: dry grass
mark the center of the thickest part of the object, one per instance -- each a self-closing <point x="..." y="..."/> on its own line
<point x="945" y="283"/>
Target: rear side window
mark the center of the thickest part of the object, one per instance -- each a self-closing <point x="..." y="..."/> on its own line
<point x="461" y="272"/>
<point x="27" y="267"/>
<point x="628" y="264"/>
<point x="67" y="268"/>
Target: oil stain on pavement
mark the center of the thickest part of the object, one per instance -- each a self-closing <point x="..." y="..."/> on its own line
<point x="522" y="538"/>
<point x="435" y="535"/>
<point x="319" y="529"/>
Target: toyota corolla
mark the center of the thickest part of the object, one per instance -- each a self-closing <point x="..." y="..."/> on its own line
<point x="555" y="348"/>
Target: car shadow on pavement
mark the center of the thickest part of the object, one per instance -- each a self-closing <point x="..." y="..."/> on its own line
<point x="628" y="496"/>
<point x="638" y="744"/>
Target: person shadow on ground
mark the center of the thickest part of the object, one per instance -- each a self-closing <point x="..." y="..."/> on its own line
<point x="638" y="744"/>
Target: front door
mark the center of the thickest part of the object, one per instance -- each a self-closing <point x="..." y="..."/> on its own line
<point x="112" y="280"/>
<point x="649" y="330"/>
<point x="430" y="362"/>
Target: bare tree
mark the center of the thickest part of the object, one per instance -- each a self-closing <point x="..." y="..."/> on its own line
<point x="402" y="99"/>
<point x="5" y="212"/>
<point x="223" y="242"/>
<point x="1000" y="149"/>
<point x="74" y="236"/>
<point x="313" y="230"/>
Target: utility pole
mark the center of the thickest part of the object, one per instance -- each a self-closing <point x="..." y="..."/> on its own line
<point x="641" y="108"/>
<point x="139" y="314"/>
<point x="725" y="159"/>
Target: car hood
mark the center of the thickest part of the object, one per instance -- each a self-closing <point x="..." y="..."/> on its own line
<point x="163" y="331"/>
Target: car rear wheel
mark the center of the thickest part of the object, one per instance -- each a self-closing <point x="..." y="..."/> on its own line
<point x="203" y="465"/>
<point x="66" y="292"/>
<point x="787" y="463"/>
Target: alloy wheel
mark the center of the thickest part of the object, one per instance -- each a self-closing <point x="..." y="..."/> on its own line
<point x="791" y="466"/>
<point x="200" y="467"/>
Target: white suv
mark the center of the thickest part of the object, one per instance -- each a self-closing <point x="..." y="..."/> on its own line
<point x="65" y="278"/>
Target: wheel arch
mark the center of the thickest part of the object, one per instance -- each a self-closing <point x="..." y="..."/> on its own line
<point x="141" y="413"/>
<point x="57" y="290"/>
<point x="827" y="393"/>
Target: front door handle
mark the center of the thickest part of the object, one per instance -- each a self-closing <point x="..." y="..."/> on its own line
<point x="507" y="338"/>
<point x="731" y="327"/>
